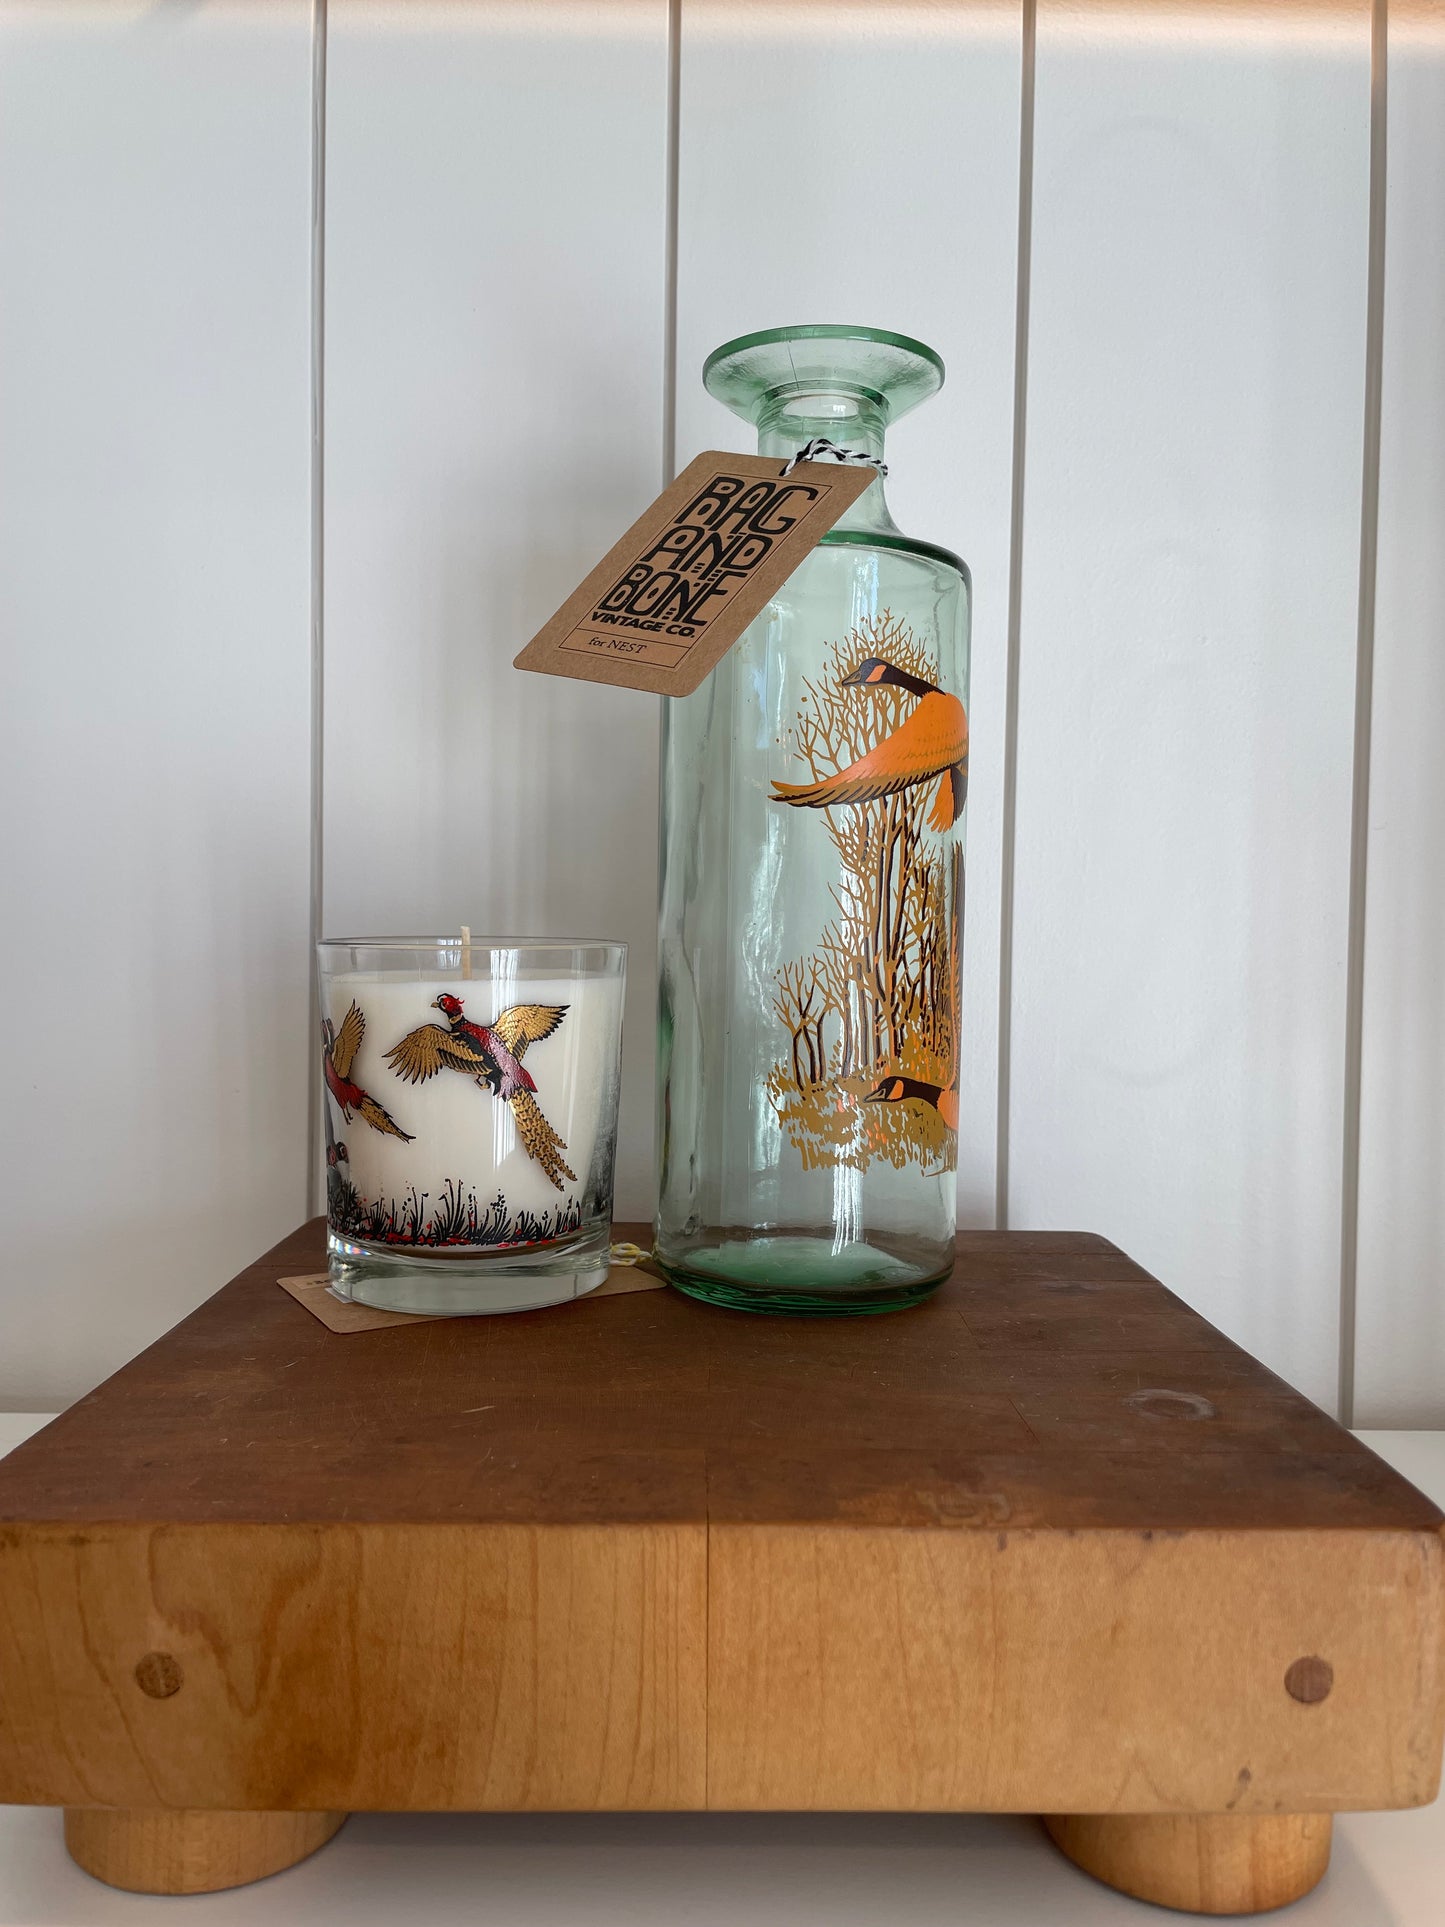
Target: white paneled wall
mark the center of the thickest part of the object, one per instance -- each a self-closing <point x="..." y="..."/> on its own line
<point x="154" y="583"/>
<point x="1187" y="664"/>
<point x="513" y="253"/>
<point x="495" y="267"/>
<point x="880" y="182"/>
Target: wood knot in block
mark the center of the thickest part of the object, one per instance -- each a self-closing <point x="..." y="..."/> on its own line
<point x="158" y="1675"/>
<point x="1309" y="1680"/>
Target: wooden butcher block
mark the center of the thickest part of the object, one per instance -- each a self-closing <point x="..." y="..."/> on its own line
<point x="1048" y="1543"/>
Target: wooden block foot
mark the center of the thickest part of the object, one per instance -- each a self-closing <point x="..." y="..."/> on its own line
<point x="149" y="1850"/>
<point x="1201" y="1863"/>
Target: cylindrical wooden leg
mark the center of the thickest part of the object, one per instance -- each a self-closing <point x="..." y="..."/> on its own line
<point x="149" y="1850"/>
<point x="1201" y="1863"/>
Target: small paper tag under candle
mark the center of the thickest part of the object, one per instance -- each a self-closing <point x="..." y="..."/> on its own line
<point x="313" y="1291"/>
<point x="671" y="598"/>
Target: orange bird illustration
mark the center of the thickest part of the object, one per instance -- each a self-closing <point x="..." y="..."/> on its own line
<point x="897" y="1090"/>
<point x="492" y="1055"/>
<point x="930" y="745"/>
<point x="339" y="1048"/>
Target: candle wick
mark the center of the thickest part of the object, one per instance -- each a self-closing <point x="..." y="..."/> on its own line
<point x="467" y="952"/>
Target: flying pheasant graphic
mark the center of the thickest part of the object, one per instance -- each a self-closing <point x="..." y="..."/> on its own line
<point x="339" y="1048"/>
<point x="930" y="745"/>
<point x="492" y="1054"/>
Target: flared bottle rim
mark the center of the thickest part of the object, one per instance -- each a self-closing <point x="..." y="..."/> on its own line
<point x="895" y="372"/>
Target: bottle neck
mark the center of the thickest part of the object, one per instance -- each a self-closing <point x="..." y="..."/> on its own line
<point x="848" y="420"/>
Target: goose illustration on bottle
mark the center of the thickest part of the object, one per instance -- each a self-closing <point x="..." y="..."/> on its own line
<point x="930" y="745"/>
<point x="492" y="1054"/>
<point x="898" y="1090"/>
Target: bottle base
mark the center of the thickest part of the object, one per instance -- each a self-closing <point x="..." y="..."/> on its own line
<point x="800" y="1304"/>
<point x="808" y="1277"/>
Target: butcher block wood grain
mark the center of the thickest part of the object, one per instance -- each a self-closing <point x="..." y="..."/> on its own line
<point x="968" y="1670"/>
<point x="1048" y="1543"/>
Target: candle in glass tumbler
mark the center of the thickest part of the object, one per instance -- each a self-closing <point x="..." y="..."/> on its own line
<point x="469" y="1116"/>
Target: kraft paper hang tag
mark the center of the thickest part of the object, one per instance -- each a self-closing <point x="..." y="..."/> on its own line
<point x="665" y="604"/>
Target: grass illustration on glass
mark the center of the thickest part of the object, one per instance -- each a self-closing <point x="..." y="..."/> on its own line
<point x="879" y="996"/>
<point x="457" y="1218"/>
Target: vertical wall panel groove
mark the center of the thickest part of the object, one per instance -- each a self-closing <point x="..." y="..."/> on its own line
<point x="671" y="163"/>
<point x="1364" y="694"/>
<point x="315" y="1171"/>
<point x="1400" y="1268"/>
<point x="1188" y="651"/>
<point x="1009" y="783"/>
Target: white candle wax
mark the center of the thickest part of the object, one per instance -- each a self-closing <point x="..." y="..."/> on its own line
<point x="465" y="1151"/>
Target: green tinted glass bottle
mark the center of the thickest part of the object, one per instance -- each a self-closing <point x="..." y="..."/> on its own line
<point x="812" y="851"/>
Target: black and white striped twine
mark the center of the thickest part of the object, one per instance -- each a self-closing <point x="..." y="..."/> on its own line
<point x="820" y="449"/>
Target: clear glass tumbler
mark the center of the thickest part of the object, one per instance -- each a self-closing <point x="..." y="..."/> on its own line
<point x="470" y="1117"/>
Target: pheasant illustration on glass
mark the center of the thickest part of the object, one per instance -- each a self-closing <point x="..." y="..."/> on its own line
<point x="492" y="1055"/>
<point x="872" y="1015"/>
<point x="338" y="1054"/>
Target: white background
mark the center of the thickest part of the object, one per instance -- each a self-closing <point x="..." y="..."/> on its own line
<point x="335" y="347"/>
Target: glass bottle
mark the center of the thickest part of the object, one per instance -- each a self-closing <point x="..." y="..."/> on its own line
<point x="812" y="882"/>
